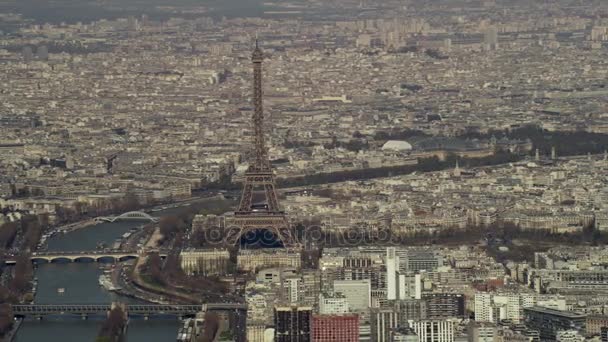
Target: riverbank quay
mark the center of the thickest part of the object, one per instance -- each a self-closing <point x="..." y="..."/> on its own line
<point x="11" y="335"/>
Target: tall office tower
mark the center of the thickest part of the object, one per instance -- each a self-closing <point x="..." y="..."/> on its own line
<point x="483" y="307"/>
<point x="402" y="287"/>
<point x="292" y="323"/>
<point x="251" y="216"/>
<point x="356" y="292"/>
<point x="333" y="328"/>
<point x="382" y="322"/>
<point x="418" y="286"/>
<point x="490" y="38"/>
<point x="293" y="289"/>
<point x="409" y="285"/>
<point x="392" y="265"/>
<point x="434" y="331"/>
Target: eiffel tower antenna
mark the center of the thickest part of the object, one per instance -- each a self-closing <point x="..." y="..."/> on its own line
<point x="259" y="176"/>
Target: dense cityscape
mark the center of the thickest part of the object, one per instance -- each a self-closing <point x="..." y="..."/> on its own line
<point x="304" y="170"/>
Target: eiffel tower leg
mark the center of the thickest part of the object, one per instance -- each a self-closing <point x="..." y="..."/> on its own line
<point x="284" y="233"/>
<point x="271" y="197"/>
<point x="246" y="197"/>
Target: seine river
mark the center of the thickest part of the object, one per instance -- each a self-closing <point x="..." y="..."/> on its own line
<point x="80" y="281"/>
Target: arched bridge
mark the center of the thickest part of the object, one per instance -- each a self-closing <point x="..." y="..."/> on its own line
<point x="90" y="256"/>
<point x="131" y="215"/>
<point x="39" y="310"/>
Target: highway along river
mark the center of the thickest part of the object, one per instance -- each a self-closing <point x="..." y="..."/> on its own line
<point x="78" y="283"/>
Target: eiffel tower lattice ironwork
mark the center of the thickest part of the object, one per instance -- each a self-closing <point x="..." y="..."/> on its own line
<point x="259" y="177"/>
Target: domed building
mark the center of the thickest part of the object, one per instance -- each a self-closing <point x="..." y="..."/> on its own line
<point x="397" y="146"/>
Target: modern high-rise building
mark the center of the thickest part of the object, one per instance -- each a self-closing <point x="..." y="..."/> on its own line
<point x="483" y="307"/>
<point x="417" y="286"/>
<point x="444" y="305"/>
<point x="392" y="265"/>
<point x="382" y="322"/>
<point x="421" y="259"/>
<point x="292" y="323"/>
<point x="409" y="286"/>
<point x="335" y="328"/>
<point x="434" y="331"/>
<point x="293" y="289"/>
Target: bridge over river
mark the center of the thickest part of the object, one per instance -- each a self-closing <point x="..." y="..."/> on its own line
<point x="85" y="256"/>
<point x="131" y="215"/>
<point x="143" y="310"/>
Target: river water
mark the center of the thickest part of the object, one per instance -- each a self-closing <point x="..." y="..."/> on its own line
<point x="80" y="281"/>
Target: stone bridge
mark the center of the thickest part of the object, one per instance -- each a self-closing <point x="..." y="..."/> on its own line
<point x="86" y="256"/>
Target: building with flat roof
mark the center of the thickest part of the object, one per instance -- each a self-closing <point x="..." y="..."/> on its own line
<point x="292" y="323"/>
<point x="335" y="328"/>
<point x="549" y="322"/>
<point x="357" y="293"/>
<point x="251" y="260"/>
<point x="434" y="330"/>
<point x="205" y="261"/>
<point x="595" y="323"/>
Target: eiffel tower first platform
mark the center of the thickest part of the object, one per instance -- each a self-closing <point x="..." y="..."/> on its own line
<point x="259" y="177"/>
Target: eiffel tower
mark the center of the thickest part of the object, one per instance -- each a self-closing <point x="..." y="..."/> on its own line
<point x="259" y="177"/>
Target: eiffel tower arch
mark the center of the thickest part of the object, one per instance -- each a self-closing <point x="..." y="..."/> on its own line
<point x="259" y="177"/>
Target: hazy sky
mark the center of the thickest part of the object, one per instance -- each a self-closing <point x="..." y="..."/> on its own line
<point x="88" y="10"/>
